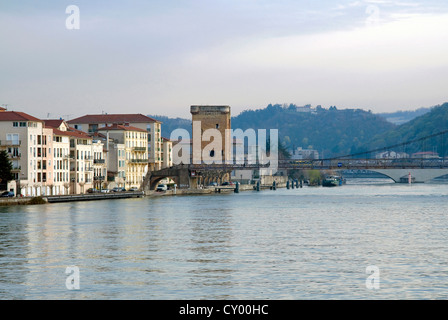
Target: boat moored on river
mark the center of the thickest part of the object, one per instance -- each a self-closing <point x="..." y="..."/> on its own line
<point x="333" y="181"/>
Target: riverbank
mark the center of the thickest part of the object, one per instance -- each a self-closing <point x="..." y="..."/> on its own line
<point x="22" y="201"/>
<point x="124" y="195"/>
<point x="69" y="198"/>
<point x="94" y="196"/>
<point x="207" y="190"/>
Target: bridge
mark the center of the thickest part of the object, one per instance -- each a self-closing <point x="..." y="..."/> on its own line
<point x="420" y="170"/>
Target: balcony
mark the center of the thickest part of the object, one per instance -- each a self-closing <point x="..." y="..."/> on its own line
<point x="99" y="161"/>
<point x="138" y="161"/>
<point x="10" y="142"/>
<point x="99" y="178"/>
<point x="88" y="168"/>
<point x="139" y="149"/>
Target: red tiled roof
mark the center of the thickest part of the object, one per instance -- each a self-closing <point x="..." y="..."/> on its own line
<point x="17" y="116"/>
<point x="78" y="133"/>
<point x="74" y="134"/>
<point x="114" y="118"/>
<point x="97" y="134"/>
<point x="121" y="127"/>
<point x="71" y="132"/>
<point x="53" y="123"/>
<point x="58" y="132"/>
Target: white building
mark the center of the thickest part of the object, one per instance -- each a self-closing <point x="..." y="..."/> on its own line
<point x="135" y="141"/>
<point x="391" y="155"/>
<point x="61" y="156"/>
<point x="28" y="144"/>
<point x="92" y="122"/>
<point x="304" y="154"/>
<point x="99" y="164"/>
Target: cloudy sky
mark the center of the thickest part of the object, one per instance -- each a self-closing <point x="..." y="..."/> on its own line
<point x="160" y="57"/>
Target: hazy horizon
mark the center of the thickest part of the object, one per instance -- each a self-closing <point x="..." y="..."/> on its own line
<point x="160" y="57"/>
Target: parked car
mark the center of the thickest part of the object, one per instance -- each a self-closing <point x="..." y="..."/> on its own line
<point x="227" y="183"/>
<point x="7" y="194"/>
<point x="92" y="190"/>
<point x="105" y="190"/>
<point x="214" y="184"/>
<point x="162" y="187"/>
<point x="118" y="189"/>
<point x="133" y="189"/>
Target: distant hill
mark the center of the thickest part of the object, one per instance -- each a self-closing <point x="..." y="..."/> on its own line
<point x="401" y="117"/>
<point x="170" y="124"/>
<point x="336" y="132"/>
<point x="330" y="131"/>
<point x="430" y="123"/>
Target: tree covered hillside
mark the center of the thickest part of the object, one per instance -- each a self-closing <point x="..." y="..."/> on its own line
<point x="335" y="132"/>
<point x="430" y="123"/>
<point x="331" y="131"/>
<point x="170" y="124"/>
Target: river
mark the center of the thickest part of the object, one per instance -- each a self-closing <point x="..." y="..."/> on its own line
<point x="306" y="243"/>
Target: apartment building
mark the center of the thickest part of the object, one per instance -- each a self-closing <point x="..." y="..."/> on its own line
<point x="116" y="165"/>
<point x="60" y="160"/>
<point x="135" y="141"/>
<point x="99" y="164"/>
<point x="167" y="153"/>
<point x="155" y="146"/>
<point x="81" y="161"/>
<point x="28" y="144"/>
<point x="49" y="157"/>
<point x="92" y="122"/>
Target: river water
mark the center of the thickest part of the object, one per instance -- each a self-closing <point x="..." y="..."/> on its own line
<point x="307" y="243"/>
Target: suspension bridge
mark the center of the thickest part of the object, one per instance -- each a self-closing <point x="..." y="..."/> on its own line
<point x="419" y="166"/>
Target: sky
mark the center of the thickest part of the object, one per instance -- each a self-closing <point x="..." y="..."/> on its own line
<point x="161" y="57"/>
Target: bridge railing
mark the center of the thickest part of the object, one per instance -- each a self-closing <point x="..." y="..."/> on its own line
<point x="327" y="164"/>
<point x="363" y="163"/>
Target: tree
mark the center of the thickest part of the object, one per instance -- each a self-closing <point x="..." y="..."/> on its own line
<point x="5" y="169"/>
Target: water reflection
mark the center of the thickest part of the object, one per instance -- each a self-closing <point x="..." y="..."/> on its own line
<point x="289" y="244"/>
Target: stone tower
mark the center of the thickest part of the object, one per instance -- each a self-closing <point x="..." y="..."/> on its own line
<point x="211" y="117"/>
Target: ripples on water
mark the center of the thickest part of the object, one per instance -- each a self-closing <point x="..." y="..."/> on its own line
<point x="309" y="243"/>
